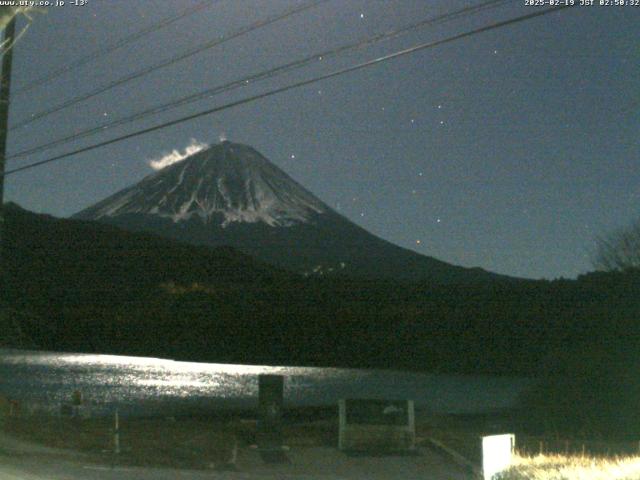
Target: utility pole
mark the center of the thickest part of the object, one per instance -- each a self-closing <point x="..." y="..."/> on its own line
<point x="5" y="85"/>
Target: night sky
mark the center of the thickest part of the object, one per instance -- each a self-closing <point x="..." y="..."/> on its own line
<point x="510" y="150"/>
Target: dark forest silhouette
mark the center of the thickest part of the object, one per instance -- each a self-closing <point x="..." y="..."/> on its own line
<point x="81" y="286"/>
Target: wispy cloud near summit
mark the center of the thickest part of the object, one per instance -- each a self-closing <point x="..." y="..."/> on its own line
<point x="176" y="155"/>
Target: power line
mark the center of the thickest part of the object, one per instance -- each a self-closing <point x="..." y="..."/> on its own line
<point x="267" y="74"/>
<point x="140" y="73"/>
<point x="292" y="86"/>
<point x="115" y="46"/>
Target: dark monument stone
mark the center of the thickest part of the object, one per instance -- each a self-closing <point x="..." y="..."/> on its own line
<point x="270" y="400"/>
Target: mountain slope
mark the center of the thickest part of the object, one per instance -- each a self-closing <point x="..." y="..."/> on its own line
<point x="70" y="259"/>
<point x="229" y="194"/>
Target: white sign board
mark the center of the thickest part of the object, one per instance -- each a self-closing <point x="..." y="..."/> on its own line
<point x="497" y="452"/>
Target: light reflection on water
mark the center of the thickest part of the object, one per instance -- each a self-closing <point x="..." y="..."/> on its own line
<point x="148" y="385"/>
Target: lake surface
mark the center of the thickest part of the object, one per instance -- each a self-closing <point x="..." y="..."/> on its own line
<point x="140" y="385"/>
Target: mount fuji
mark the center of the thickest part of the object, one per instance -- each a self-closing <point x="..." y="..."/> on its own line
<point x="231" y="195"/>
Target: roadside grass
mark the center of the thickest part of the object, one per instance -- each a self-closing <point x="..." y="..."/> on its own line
<point x="179" y="443"/>
<point x="561" y="458"/>
<point x="561" y="467"/>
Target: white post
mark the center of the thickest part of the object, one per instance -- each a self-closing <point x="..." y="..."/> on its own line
<point x="234" y="451"/>
<point x="411" y="417"/>
<point x="116" y="435"/>
<point x="342" y="410"/>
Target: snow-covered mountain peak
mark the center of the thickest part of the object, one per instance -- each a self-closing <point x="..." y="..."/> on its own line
<point x="228" y="182"/>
